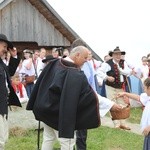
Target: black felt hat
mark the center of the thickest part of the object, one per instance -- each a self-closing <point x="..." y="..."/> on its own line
<point x="116" y="50"/>
<point x="48" y="58"/>
<point x="4" y="38"/>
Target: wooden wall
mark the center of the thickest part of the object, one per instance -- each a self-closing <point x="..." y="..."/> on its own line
<point x="21" y="21"/>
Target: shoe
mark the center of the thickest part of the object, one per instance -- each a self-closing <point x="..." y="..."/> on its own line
<point x="124" y="127"/>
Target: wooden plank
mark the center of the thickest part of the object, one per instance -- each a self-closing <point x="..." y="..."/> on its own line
<point x="0" y="21"/>
<point x="6" y="23"/>
<point x="21" y="21"/>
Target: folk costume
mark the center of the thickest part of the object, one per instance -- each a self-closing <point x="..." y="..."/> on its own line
<point x="13" y="64"/>
<point x="145" y="120"/>
<point x="20" y="92"/>
<point x="7" y="94"/>
<point x="63" y="99"/>
<point x="28" y="70"/>
<point x="7" y="97"/>
<point x="119" y="71"/>
<point x="120" y="81"/>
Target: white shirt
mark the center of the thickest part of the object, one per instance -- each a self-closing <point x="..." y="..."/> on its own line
<point x="104" y="105"/>
<point x="24" y="70"/>
<point x="39" y="66"/>
<point x="105" y="67"/>
<point x="142" y="72"/>
<point x="145" y="120"/>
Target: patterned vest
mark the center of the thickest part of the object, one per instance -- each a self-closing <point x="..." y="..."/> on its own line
<point x="114" y="72"/>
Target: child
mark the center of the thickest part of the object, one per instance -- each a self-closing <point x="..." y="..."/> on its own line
<point x="19" y="88"/>
<point x="144" y="98"/>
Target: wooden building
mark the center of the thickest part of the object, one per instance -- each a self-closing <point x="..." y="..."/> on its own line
<point x="34" y="24"/>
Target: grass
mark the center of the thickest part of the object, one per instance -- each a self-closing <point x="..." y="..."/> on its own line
<point x="22" y="142"/>
<point x="135" y="115"/>
<point x="105" y="138"/>
<point x="102" y="138"/>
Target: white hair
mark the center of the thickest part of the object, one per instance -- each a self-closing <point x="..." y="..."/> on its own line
<point x="78" y="49"/>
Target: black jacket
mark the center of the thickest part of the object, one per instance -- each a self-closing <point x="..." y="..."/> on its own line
<point x="5" y="98"/>
<point x="13" y="64"/>
<point x="63" y="99"/>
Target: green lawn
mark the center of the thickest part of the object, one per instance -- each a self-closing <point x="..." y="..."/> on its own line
<point x="135" y="115"/>
<point x="105" y="138"/>
<point x="102" y="138"/>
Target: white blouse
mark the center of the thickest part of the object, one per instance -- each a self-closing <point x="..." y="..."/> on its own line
<point x="24" y="69"/>
<point x="145" y="120"/>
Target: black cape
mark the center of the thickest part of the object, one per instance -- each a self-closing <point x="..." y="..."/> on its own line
<point x="63" y="99"/>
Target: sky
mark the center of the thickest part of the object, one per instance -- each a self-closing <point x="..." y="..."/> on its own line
<point x="105" y="24"/>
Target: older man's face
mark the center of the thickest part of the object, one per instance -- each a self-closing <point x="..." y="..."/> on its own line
<point x="3" y="48"/>
<point x="117" y="56"/>
<point x="81" y="57"/>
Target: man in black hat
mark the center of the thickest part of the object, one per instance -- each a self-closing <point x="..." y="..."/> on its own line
<point x="7" y="94"/>
<point x="13" y="61"/>
<point x="114" y="72"/>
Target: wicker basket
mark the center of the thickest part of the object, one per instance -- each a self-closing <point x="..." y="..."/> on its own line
<point x="123" y="114"/>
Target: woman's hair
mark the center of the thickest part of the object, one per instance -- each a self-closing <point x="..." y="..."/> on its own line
<point x="15" y="76"/>
<point x="147" y="82"/>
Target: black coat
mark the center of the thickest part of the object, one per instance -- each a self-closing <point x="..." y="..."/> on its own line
<point x="63" y="99"/>
<point x="13" y="64"/>
<point x="6" y="99"/>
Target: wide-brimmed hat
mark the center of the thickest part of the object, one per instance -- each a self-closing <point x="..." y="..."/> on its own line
<point x="28" y="51"/>
<point x="4" y="38"/>
<point x="116" y="50"/>
<point x="48" y="58"/>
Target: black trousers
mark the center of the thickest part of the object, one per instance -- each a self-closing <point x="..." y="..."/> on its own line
<point x="81" y="136"/>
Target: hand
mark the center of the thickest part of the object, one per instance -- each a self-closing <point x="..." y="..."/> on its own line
<point x="120" y="94"/>
<point x="8" y="56"/>
<point x="110" y="79"/>
<point x="146" y="130"/>
<point x="116" y="107"/>
<point x="126" y="100"/>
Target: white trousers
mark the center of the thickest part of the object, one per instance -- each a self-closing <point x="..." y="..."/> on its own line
<point x="111" y="94"/>
<point x="3" y="131"/>
<point x="50" y="136"/>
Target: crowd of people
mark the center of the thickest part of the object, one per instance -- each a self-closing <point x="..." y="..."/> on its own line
<point x="68" y="88"/>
